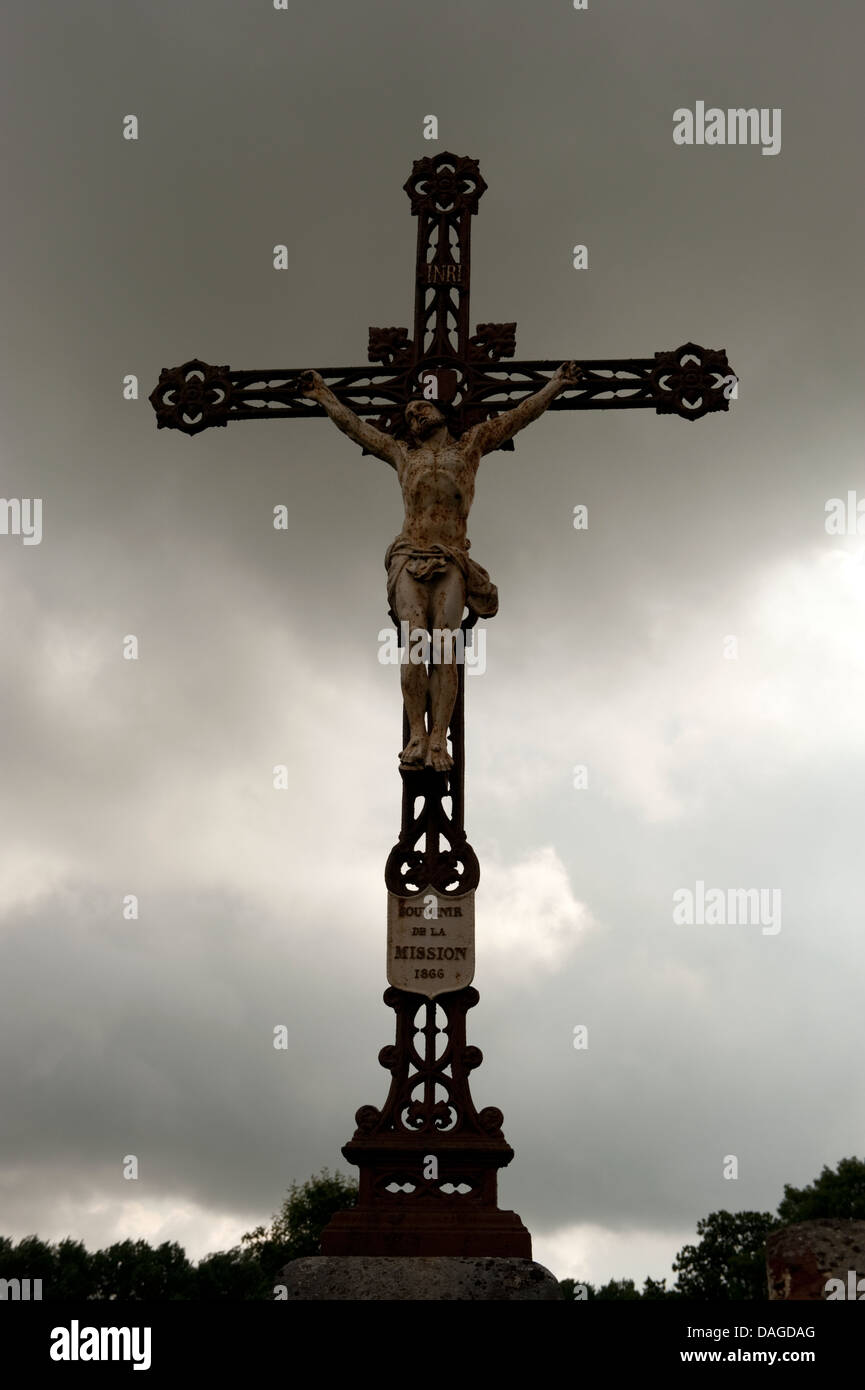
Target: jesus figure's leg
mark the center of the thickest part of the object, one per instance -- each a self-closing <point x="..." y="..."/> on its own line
<point x="447" y="601"/>
<point x="411" y="599"/>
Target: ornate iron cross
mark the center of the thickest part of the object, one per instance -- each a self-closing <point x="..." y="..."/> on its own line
<point x="469" y="374"/>
<point x="429" y="1111"/>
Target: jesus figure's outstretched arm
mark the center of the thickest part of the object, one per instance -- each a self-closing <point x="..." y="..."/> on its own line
<point x="492" y="433"/>
<point x="367" y="436"/>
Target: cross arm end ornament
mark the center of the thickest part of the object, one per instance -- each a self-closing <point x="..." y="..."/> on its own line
<point x="692" y="381"/>
<point x="192" y="397"/>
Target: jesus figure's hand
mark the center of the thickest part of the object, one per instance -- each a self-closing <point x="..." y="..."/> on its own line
<point x="568" y="374"/>
<point x="312" y="385"/>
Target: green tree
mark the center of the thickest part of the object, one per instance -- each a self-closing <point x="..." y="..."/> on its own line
<point x="73" y="1271"/>
<point x="234" y="1273"/>
<point x="296" y="1230"/>
<point x="834" y="1193"/>
<point x="618" y="1289"/>
<point x="657" y="1288"/>
<point x="136" y="1270"/>
<point x="31" y="1258"/>
<point x="730" y="1260"/>
<point x="568" y="1287"/>
<point x="65" y="1269"/>
<point x="132" y="1269"/>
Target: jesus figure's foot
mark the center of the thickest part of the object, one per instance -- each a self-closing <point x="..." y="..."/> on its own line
<point x="414" y="753"/>
<point x="438" y="757"/>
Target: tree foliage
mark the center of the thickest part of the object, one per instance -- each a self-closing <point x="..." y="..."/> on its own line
<point x="296" y="1230"/>
<point x="620" y="1289"/>
<point x="133" y="1270"/>
<point x="730" y="1260"/>
<point x="835" y="1193"/>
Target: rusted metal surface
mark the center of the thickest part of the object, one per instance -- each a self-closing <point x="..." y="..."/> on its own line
<point x="429" y="1111"/>
<point x="444" y="191"/>
<point x="432" y="850"/>
<point x="405" y="1207"/>
<point x="184" y="401"/>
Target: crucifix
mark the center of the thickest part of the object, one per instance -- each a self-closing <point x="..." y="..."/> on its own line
<point x="431" y="406"/>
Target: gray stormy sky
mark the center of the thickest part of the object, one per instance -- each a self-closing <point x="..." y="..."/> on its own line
<point x="259" y="647"/>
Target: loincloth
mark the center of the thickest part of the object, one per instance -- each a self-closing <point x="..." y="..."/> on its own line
<point x="427" y="562"/>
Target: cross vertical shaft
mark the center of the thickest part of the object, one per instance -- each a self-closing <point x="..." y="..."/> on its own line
<point x="444" y="192"/>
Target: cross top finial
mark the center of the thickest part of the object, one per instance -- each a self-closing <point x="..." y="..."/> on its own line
<point x="445" y="183"/>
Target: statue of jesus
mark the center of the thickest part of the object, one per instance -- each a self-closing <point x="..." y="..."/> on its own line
<point x="430" y="577"/>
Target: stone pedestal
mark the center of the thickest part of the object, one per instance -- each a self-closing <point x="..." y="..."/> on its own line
<point x="385" y="1278"/>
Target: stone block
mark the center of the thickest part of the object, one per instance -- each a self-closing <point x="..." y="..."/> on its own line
<point x="385" y="1278"/>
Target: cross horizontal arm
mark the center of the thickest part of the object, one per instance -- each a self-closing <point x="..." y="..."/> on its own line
<point x="690" y="381"/>
<point x="701" y="384"/>
<point x="605" y="384"/>
<point x="197" y="396"/>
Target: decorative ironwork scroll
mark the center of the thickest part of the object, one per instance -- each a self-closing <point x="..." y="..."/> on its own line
<point x="406" y="1204"/>
<point x="444" y="191"/>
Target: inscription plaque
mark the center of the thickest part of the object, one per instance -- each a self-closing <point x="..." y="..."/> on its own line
<point x="430" y="942"/>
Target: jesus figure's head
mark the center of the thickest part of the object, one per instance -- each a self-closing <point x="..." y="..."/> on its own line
<point x="423" y="418"/>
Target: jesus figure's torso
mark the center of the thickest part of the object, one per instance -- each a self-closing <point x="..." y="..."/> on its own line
<point x="438" y="488"/>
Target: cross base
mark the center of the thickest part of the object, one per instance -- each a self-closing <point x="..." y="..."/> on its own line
<point x="428" y="1159"/>
<point x="415" y="1230"/>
